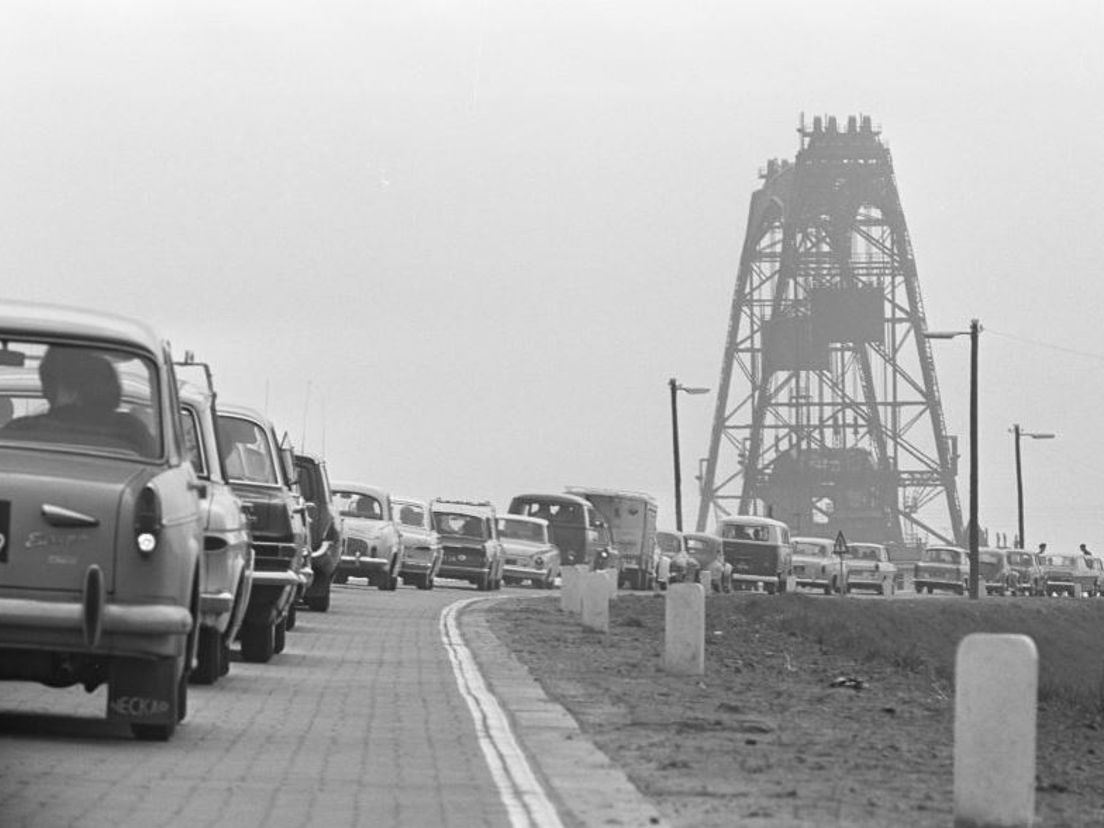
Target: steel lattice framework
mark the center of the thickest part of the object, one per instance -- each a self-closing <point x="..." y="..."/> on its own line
<point x="828" y="413"/>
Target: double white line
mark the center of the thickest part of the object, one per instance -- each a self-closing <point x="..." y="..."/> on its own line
<point x="526" y="802"/>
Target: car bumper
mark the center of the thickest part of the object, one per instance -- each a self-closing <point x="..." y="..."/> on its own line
<point x="119" y="629"/>
<point x="751" y="578"/>
<point x="362" y="567"/>
<point x="215" y="609"/>
<point x="462" y="573"/>
<point x="921" y="581"/>
<point x="523" y="572"/>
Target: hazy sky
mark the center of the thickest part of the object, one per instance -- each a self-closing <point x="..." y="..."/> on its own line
<point x="465" y="244"/>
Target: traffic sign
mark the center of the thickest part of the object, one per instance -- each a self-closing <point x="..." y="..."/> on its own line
<point x="841" y="545"/>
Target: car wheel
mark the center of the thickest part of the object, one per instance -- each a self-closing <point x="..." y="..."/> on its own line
<point x="320" y="603"/>
<point x="209" y="660"/>
<point x="279" y="637"/>
<point x="224" y="660"/>
<point x="341" y="578"/>
<point x="289" y="622"/>
<point x="257" y="642"/>
<point x="153" y="732"/>
<point x="431" y="581"/>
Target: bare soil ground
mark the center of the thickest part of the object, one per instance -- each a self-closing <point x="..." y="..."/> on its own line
<point x="764" y="738"/>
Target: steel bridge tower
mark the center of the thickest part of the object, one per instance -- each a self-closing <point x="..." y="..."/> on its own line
<point x="828" y="414"/>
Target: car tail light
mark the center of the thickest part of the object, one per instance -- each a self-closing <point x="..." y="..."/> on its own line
<point x="147" y="521"/>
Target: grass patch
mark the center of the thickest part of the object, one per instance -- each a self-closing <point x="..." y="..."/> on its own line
<point x="922" y="636"/>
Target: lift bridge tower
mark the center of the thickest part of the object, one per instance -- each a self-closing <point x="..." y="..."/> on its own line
<point x="828" y="414"/>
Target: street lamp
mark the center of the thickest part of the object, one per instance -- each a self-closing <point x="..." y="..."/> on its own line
<point x="676" y="386"/>
<point x="975" y="330"/>
<point x="1034" y="435"/>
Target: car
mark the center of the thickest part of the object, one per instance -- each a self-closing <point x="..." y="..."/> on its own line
<point x="1072" y="574"/>
<point x="421" y="543"/>
<point x="996" y="573"/>
<point x="471" y="548"/>
<point x="631" y="520"/>
<point x="373" y="540"/>
<point x="675" y="565"/>
<point x="866" y="566"/>
<point x="325" y="528"/>
<point x="101" y="524"/>
<point x="227" y="541"/>
<point x="707" y="553"/>
<point x="944" y="568"/>
<point x="1030" y="577"/>
<point x="261" y="470"/>
<point x="759" y="551"/>
<point x="530" y="554"/>
<point x="815" y="565"/>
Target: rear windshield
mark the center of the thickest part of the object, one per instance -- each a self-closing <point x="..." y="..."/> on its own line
<point x="464" y="526"/>
<point x="862" y="553"/>
<point x="668" y="543"/>
<point x="937" y="554"/>
<point x="79" y="398"/>
<point x="737" y="531"/>
<point x="354" y="504"/>
<point x="818" y="550"/>
<point x="521" y="530"/>
<point x="1020" y="559"/>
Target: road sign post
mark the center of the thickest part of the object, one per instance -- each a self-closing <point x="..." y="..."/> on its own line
<point x="839" y="550"/>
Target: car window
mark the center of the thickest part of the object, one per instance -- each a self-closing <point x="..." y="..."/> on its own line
<point x="81" y="398"/>
<point x="451" y="523"/>
<point x="358" y="505"/>
<point x="248" y="454"/>
<point x="523" y="530"/>
<point x="193" y="446"/>
<point x="411" y="515"/>
<point x="818" y="550"/>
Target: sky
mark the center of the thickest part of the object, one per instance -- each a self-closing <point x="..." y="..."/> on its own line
<point x="460" y="247"/>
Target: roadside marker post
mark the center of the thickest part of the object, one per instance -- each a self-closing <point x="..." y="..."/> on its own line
<point x="996" y="692"/>
<point x="595" y="601"/>
<point x="684" y="634"/>
<point x="706" y="581"/>
<point x="571" y="589"/>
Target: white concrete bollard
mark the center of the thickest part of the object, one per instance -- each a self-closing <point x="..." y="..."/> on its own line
<point x="706" y="581"/>
<point x="684" y="638"/>
<point x="595" y="600"/>
<point x="571" y="589"/>
<point x="996" y="690"/>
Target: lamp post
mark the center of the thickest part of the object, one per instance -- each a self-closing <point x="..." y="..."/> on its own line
<point x="1034" y="435"/>
<point x="973" y="333"/>
<point x="676" y="386"/>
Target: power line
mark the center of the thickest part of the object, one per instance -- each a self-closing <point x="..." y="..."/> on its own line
<point x="1049" y="345"/>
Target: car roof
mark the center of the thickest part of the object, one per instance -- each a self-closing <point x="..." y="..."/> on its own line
<point x="358" y="488"/>
<point x="811" y="539"/>
<point x="701" y="536"/>
<point x="523" y="518"/>
<point x="462" y="507"/>
<point x="47" y="320"/>
<point x="409" y="501"/>
<point x="582" y="491"/>
<point x="232" y="410"/>
<point x="554" y="498"/>
<point x="751" y="520"/>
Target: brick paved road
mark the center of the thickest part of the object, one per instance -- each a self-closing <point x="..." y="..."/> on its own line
<point x="357" y="722"/>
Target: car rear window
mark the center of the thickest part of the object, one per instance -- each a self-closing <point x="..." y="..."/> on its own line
<point x="79" y="398"/>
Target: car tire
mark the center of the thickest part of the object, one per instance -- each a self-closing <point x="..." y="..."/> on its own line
<point x="257" y="642"/>
<point x="209" y="657"/>
<point x="320" y="603"/>
<point x="224" y="660"/>
<point x="290" y="621"/>
<point x="431" y="581"/>
<point x="341" y="578"/>
<point x="279" y="637"/>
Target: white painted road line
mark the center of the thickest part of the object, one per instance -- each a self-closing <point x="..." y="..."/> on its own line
<point x="527" y="804"/>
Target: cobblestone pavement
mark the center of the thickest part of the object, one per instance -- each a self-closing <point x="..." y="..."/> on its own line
<point x="357" y="722"/>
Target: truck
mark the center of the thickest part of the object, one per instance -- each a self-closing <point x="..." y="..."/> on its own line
<point x="631" y="517"/>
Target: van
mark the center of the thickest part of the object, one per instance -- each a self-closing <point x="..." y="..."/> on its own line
<point x="760" y="552"/>
<point x="631" y="517"/>
<point x="575" y="526"/>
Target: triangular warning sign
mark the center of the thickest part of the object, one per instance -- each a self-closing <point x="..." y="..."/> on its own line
<point x="841" y="545"/>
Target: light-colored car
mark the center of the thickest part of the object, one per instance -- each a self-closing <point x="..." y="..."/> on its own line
<point x="815" y="565"/>
<point x="675" y="564"/>
<point x="1072" y="574"/>
<point x="529" y="552"/>
<point x="866" y="566"/>
<point x="469" y="541"/>
<point x="943" y="567"/>
<point x="707" y="553"/>
<point x="101" y="528"/>
<point x="227" y="548"/>
<point x="760" y="552"/>
<point x="373" y="539"/>
<point x="262" y="473"/>
<point x="421" y="543"/>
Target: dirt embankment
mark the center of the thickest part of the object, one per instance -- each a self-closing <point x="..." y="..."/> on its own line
<point x="815" y="710"/>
